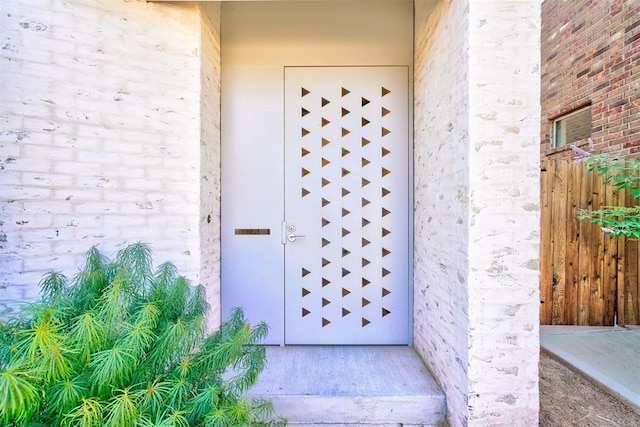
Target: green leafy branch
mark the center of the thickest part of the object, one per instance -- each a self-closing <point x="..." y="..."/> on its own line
<point x="623" y="174"/>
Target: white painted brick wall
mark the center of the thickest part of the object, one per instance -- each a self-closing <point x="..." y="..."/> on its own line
<point x="504" y="113"/>
<point x="87" y="78"/>
<point x="100" y="135"/>
<point x="210" y="158"/>
<point x="476" y="214"/>
<point x="441" y="152"/>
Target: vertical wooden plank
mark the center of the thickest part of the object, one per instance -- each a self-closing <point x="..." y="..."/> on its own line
<point x="625" y="307"/>
<point x="632" y="296"/>
<point x="558" y="218"/>
<point x="610" y="268"/>
<point x="585" y="249"/>
<point x="630" y="291"/>
<point x="547" y="171"/>
<point x="596" y="261"/>
<point x="572" y="247"/>
<point x="621" y="267"/>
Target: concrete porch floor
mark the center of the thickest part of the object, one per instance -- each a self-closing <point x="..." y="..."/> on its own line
<point x="350" y="385"/>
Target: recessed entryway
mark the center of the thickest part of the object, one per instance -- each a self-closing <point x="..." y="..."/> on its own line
<point x="316" y="170"/>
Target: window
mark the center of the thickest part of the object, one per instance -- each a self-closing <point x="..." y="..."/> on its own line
<point x="572" y="127"/>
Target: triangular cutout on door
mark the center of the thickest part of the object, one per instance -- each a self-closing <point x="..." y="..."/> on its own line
<point x="365" y="282"/>
<point x="365" y="262"/>
<point x="385" y="151"/>
<point x="385" y="111"/>
<point x="345" y="152"/>
<point x="325" y="282"/>
<point x="325" y="242"/>
<point x="324" y="122"/>
<point x="305" y="92"/>
<point x="345" y="272"/>
<point x="385" y="252"/>
<point x="345" y="191"/>
<point x="304" y="152"/>
<point x="325" y="322"/>
<point x="365" y="302"/>
<point x="365" y="182"/>
<point x="345" y="212"/>
<point x="365" y="322"/>
<point x="345" y="232"/>
<point x="385" y="292"/>
<point x="385" y="191"/>
<point x="365" y="242"/>
<point x="325" y="202"/>
<point x="365" y="162"/>
<point x="385" y="91"/>
<point x="305" y="272"/>
<point x="305" y="312"/>
<point x="365" y="101"/>
<point x="345" y="312"/>
<point x="345" y="172"/>
<point x="305" y="172"/>
<point x="345" y="92"/>
<point x="304" y="112"/>
<point x="365" y="142"/>
<point x="305" y="192"/>
<point x="325" y="102"/>
<point x="325" y="141"/>
<point x="365" y="122"/>
<point x="325" y="222"/>
<point x="365" y="202"/>
<point x="325" y="302"/>
<point x="385" y="232"/>
<point x="345" y="111"/>
<point x="365" y="222"/>
<point x="305" y="292"/>
<point x="385" y="272"/>
<point x="345" y="292"/>
<point x="385" y="132"/>
<point x="325" y="182"/>
<point x="325" y="162"/>
<point x="385" y="212"/>
<point x="385" y="172"/>
<point x="325" y="262"/>
<point x="385" y="312"/>
<point x="345" y="252"/>
<point x="345" y="132"/>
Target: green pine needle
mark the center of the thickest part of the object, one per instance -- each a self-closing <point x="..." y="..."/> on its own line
<point x="19" y="394"/>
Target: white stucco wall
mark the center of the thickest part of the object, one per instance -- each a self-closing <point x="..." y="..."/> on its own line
<point x="477" y="202"/>
<point x="100" y="131"/>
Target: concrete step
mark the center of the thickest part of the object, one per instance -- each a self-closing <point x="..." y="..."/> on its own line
<point x="350" y="386"/>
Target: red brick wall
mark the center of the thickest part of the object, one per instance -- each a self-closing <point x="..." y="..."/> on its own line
<point x="591" y="55"/>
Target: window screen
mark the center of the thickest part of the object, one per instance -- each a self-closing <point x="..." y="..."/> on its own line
<point x="572" y="127"/>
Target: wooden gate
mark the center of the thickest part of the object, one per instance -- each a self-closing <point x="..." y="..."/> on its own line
<point x="586" y="277"/>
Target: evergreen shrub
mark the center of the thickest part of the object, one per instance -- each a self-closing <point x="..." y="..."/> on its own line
<point x="124" y="345"/>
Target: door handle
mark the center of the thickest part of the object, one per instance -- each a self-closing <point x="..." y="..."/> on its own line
<point x="293" y="237"/>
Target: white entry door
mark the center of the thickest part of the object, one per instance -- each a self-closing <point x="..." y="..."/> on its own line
<point x="315" y="225"/>
<point x="346" y="192"/>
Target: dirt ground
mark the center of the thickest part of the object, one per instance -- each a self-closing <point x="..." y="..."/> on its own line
<point x="569" y="399"/>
